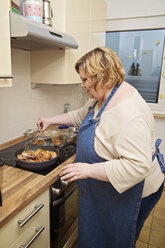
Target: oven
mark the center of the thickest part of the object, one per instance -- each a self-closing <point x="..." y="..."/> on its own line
<point x="63" y="214"/>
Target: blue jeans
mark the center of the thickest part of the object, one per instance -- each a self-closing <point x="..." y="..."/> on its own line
<point x="147" y="204"/>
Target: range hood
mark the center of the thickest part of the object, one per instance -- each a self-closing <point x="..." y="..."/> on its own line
<point x="29" y="35"/>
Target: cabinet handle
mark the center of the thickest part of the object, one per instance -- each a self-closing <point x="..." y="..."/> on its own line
<point x="6" y="76"/>
<point x="21" y="223"/>
<point x="38" y="231"/>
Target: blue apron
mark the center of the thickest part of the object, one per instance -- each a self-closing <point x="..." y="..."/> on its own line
<point x="107" y="219"/>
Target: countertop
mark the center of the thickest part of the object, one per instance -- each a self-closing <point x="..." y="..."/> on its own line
<point x="20" y="187"/>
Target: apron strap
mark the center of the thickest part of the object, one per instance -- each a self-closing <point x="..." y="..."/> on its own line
<point x="105" y="104"/>
<point x="159" y="155"/>
<point x="107" y="101"/>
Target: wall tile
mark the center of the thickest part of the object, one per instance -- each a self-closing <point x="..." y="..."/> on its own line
<point x="158" y="223"/>
<point x="148" y="221"/>
<point x="144" y="235"/>
<point x="157" y="239"/>
<point x="152" y="246"/>
<point x="161" y="203"/>
<point x="140" y="244"/>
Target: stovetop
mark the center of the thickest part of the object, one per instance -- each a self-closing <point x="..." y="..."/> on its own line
<point x="7" y="155"/>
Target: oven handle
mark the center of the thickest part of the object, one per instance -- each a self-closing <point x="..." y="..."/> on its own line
<point x="60" y="201"/>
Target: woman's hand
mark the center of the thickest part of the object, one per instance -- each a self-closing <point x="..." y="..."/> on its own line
<point x="44" y="122"/>
<point x="75" y="171"/>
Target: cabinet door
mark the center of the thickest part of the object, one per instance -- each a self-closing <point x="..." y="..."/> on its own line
<point x="36" y="221"/>
<point x="36" y="236"/>
<point x="5" y="48"/>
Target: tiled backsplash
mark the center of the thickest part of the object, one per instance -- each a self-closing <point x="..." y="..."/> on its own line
<point x="20" y="106"/>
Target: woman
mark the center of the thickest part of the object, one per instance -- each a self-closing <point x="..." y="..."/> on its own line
<point x="118" y="182"/>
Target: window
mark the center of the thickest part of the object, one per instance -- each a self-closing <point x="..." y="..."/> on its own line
<point x="141" y="53"/>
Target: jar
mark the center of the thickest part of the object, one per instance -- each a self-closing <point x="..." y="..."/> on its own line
<point x="33" y="10"/>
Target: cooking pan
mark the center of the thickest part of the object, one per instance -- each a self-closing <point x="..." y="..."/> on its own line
<point x="35" y="166"/>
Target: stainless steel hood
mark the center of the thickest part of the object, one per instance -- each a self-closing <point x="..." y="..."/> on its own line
<point x="29" y="35"/>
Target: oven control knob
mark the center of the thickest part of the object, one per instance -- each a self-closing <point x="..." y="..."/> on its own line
<point x="64" y="183"/>
<point x="56" y="191"/>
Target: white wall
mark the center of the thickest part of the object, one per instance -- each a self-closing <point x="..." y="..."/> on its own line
<point x="20" y="106"/>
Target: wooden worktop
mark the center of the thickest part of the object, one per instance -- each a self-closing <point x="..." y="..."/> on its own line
<point x="20" y="187"/>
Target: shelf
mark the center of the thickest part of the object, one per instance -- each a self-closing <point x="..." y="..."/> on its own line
<point x="38" y="85"/>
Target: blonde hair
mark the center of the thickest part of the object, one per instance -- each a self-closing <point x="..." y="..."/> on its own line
<point x="103" y="66"/>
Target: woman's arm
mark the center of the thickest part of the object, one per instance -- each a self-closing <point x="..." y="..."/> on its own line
<point x="76" y="171"/>
<point x="62" y="119"/>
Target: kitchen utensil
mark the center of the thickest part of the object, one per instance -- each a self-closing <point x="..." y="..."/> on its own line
<point x="35" y="166"/>
<point x="33" y="10"/>
<point x="29" y="143"/>
<point x="47" y="13"/>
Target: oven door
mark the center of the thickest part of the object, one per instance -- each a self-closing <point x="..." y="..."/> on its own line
<point x="63" y="216"/>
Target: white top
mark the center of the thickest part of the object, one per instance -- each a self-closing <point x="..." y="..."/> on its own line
<point x="125" y="138"/>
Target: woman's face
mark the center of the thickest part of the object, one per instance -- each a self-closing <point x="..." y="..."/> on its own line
<point x="87" y="83"/>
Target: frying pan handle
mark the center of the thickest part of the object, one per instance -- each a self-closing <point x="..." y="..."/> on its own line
<point x="59" y="148"/>
<point x="1" y="162"/>
<point x="2" y="152"/>
<point x="5" y="159"/>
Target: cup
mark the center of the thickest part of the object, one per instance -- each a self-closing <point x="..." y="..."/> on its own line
<point x="33" y="10"/>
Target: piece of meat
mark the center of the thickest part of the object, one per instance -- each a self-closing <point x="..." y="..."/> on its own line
<point x="37" y="156"/>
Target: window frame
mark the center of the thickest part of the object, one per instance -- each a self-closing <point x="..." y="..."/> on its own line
<point x="144" y="23"/>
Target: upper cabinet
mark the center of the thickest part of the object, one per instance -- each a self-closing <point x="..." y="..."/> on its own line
<point x="22" y="33"/>
<point x="83" y="26"/>
<point x="5" y="47"/>
<point x="86" y="22"/>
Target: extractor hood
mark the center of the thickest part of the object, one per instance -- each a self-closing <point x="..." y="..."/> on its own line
<point x="29" y="35"/>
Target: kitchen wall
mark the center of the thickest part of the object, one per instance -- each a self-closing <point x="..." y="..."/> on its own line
<point x="20" y="106"/>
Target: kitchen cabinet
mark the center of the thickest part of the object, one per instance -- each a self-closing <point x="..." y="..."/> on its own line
<point x="86" y="22"/>
<point x="121" y="10"/>
<point x="5" y="48"/>
<point x="13" y="236"/>
<point x="56" y="66"/>
<point x="21" y="33"/>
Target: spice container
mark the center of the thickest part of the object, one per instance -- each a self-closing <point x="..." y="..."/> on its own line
<point x="33" y="10"/>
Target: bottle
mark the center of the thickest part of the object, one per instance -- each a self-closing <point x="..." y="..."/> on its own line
<point x="66" y="107"/>
<point x="33" y="10"/>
